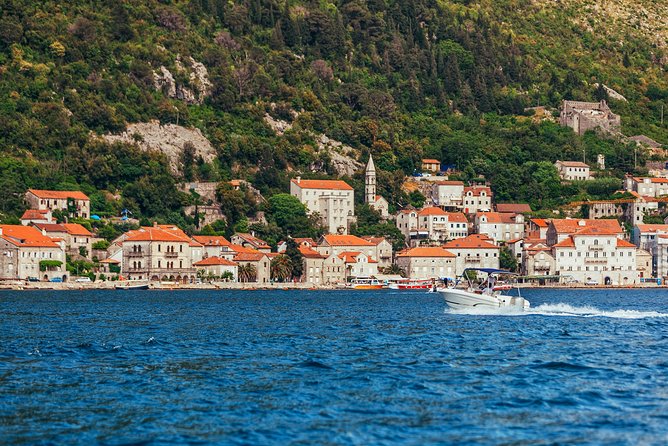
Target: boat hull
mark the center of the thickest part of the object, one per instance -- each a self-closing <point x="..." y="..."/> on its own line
<point x="366" y="287"/>
<point x="462" y="299"/>
<point x="132" y="287"/>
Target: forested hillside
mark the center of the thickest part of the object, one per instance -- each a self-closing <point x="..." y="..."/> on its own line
<point x="400" y="79"/>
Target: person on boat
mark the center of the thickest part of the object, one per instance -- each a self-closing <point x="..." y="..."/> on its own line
<point x="491" y="280"/>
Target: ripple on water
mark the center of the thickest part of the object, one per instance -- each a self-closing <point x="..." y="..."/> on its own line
<point x="331" y="368"/>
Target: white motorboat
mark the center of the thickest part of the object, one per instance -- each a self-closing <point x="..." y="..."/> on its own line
<point x="490" y="294"/>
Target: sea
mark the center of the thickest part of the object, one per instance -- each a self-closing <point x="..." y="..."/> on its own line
<point x="332" y="368"/>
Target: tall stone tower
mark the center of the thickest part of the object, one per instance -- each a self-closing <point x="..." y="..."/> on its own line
<point x="370" y="182"/>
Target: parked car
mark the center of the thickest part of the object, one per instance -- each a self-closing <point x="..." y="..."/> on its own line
<point x="33" y="279"/>
<point x="591" y="282"/>
<point x="83" y="280"/>
<point x="56" y="279"/>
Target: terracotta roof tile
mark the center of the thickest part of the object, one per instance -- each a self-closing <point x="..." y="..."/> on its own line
<point x="426" y="252"/>
<point x="34" y="214"/>
<point x="211" y="261"/>
<point x="345" y="240"/>
<point x="249" y="256"/>
<point x="430" y="161"/>
<point x="211" y="240"/>
<point x="310" y="253"/>
<point x="59" y="194"/>
<point x="431" y="211"/>
<point x="77" y="229"/>
<point x="517" y="208"/>
<point x="323" y="184"/>
<point x="471" y="242"/>
<point x="570" y="226"/>
<point x="624" y="244"/>
<point x="26" y="237"/>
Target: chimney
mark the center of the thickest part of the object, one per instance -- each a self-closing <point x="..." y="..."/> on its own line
<point x="298" y="180"/>
<point x="155" y="224"/>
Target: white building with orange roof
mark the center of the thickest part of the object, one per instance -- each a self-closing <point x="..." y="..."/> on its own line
<point x="477" y="199"/>
<point x="332" y="200"/>
<point x="159" y="253"/>
<point x="36" y="216"/>
<point x="448" y="194"/>
<point x="250" y="241"/>
<point x="217" y="268"/>
<point x="572" y="170"/>
<point x="560" y="228"/>
<point x="358" y="264"/>
<point x="537" y="228"/>
<point x="431" y="165"/>
<point x="25" y="252"/>
<point x="537" y="260"/>
<point x="427" y="263"/>
<point x="474" y="251"/>
<point x="214" y="246"/>
<point x="74" y="235"/>
<point x="431" y="225"/>
<point x="646" y="186"/>
<point x="654" y="239"/>
<point x="384" y="250"/>
<point x="74" y="203"/>
<point x="596" y="255"/>
<point x="260" y="261"/>
<point x="500" y="226"/>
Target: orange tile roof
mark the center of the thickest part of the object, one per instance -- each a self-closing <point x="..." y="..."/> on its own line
<point x="345" y="240"/>
<point x="540" y="222"/>
<point x="256" y="242"/>
<point x="477" y="190"/>
<point x="498" y="217"/>
<point x="457" y="217"/>
<point x="211" y="261"/>
<point x="432" y="211"/>
<point x="570" y="226"/>
<point x="322" y="184"/>
<point x="430" y="161"/>
<point x="77" y="229"/>
<point x="426" y="252"/>
<point x="517" y="208"/>
<point x="568" y="242"/>
<point x="624" y="244"/>
<point x="34" y="214"/>
<point x="651" y="180"/>
<point x="109" y="260"/>
<point x="211" y="240"/>
<point x="156" y="234"/>
<point x="50" y="227"/>
<point x="243" y="249"/>
<point x="573" y="164"/>
<point x="249" y="257"/>
<point x="59" y="194"/>
<point x="310" y="253"/>
<point x="26" y="237"/>
<point x="595" y="231"/>
<point x="374" y="240"/>
<point x="351" y="257"/>
<point x="471" y="242"/>
<point x="652" y="227"/>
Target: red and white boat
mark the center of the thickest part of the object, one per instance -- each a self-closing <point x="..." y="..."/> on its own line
<point x="411" y="285"/>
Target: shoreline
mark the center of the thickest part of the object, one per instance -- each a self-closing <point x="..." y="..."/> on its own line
<point x="236" y="286"/>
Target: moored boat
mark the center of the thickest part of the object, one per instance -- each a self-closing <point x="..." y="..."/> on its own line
<point x="365" y="283"/>
<point x="412" y="285"/>
<point x="465" y="294"/>
<point x="132" y="286"/>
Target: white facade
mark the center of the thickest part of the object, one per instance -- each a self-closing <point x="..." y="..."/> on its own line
<point x="427" y="263"/>
<point x="477" y="199"/>
<point x="75" y="203"/>
<point x="572" y="170"/>
<point x="646" y="186"/>
<point x="23" y="248"/>
<point x="602" y="258"/>
<point x="448" y="194"/>
<point x="474" y="251"/>
<point x="431" y="224"/>
<point x="333" y="200"/>
<point x="500" y="226"/>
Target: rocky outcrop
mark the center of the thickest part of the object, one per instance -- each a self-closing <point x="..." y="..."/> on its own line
<point x="341" y="156"/>
<point x="200" y="85"/>
<point x="168" y="139"/>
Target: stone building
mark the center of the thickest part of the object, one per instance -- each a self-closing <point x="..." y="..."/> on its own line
<point x="573" y="170"/>
<point x="26" y="252"/>
<point x="584" y="116"/>
<point x="370" y="197"/>
<point x="427" y="263"/>
<point x="73" y="203"/>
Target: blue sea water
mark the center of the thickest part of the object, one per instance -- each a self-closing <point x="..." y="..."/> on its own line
<point x="340" y="367"/>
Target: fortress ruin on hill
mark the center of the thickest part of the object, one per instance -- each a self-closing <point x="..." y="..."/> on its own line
<point x="583" y="116"/>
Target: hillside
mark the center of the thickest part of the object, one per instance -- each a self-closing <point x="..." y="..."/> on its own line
<point x="401" y="80"/>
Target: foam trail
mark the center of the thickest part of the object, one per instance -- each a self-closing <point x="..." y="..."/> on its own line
<point x="561" y="309"/>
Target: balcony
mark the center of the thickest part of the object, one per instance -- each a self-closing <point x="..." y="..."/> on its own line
<point x="596" y="248"/>
<point x="541" y="268"/>
<point x="473" y="260"/>
<point x="595" y="260"/>
<point x="171" y="255"/>
<point x="136" y="254"/>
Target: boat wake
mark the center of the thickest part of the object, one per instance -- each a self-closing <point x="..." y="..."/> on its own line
<point x="563" y="310"/>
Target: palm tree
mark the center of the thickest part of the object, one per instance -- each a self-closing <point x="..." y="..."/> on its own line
<point x="281" y="268"/>
<point x="247" y="273"/>
<point x="394" y="269"/>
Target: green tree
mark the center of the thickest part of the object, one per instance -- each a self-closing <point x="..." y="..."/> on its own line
<point x="281" y="268"/>
<point x="293" y="253"/>
<point x="507" y="260"/>
<point x="247" y="273"/>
